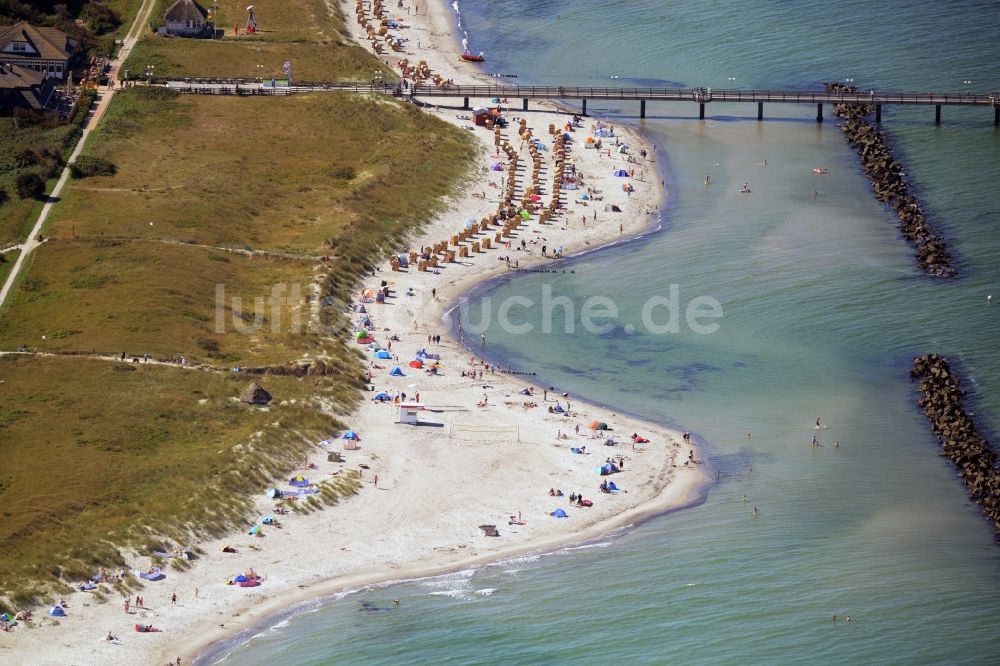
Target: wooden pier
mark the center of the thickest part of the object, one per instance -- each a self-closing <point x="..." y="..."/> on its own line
<point x="700" y="96"/>
<point x="705" y="96"/>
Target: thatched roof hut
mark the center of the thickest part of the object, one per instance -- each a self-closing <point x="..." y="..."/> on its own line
<point x="256" y="395"/>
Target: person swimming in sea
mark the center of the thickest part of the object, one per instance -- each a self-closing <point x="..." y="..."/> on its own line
<point x="708" y="180"/>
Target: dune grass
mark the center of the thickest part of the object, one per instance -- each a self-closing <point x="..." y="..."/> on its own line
<point x="139" y="452"/>
<point x="8" y="264"/>
<point x="136" y="453"/>
<point x="162" y="299"/>
<point x="294" y="173"/>
<point x="308" y="32"/>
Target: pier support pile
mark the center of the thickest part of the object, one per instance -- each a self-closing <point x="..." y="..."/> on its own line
<point x="954" y="428"/>
<point x="889" y="184"/>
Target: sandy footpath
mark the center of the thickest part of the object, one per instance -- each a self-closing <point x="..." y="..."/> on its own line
<point x="437" y="482"/>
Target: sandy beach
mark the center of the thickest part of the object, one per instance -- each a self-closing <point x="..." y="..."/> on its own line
<point x="465" y="466"/>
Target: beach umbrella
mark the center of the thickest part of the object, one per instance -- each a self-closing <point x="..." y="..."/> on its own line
<point x="350" y="434"/>
<point x="535" y="197"/>
<point x="594" y="425"/>
<point x="525" y="215"/>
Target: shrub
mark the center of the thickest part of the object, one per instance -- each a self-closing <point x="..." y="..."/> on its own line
<point x="100" y="18"/>
<point x="82" y="107"/>
<point x="207" y="344"/>
<point x="86" y="166"/>
<point x="29" y="185"/>
<point x="344" y="173"/>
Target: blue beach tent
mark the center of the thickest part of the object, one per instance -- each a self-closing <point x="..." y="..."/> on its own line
<point x="621" y="173"/>
<point x="57" y="611"/>
<point x="608" y="468"/>
<point x="396" y="372"/>
<point x="273" y="493"/>
<point x="299" y="481"/>
<point x="383" y="397"/>
<point x="559" y="513"/>
<point x="381" y="353"/>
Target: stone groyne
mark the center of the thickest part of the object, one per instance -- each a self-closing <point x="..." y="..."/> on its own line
<point x="941" y="400"/>
<point x="890" y="186"/>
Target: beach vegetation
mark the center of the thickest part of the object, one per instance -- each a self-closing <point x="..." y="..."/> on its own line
<point x="145" y="452"/>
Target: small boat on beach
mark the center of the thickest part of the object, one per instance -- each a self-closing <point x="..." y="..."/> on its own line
<point x="472" y="57"/>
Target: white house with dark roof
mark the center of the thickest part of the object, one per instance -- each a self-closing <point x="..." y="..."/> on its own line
<point x="185" y="18"/>
<point x="42" y="49"/>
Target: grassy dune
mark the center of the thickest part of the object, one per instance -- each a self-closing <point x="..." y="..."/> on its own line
<point x="99" y="454"/>
<point x="160" y="299"/>
<point x="137" y="452"/>
<point x="298" y="173"/>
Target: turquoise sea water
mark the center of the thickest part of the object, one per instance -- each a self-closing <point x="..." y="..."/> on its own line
<point x="823" y="310"/>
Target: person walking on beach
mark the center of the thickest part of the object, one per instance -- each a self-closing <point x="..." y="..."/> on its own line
<point x="375" y="482"/>
<point x="173" y="598"/>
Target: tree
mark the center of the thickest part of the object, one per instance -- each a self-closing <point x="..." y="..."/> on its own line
<point x="30" y="185"/>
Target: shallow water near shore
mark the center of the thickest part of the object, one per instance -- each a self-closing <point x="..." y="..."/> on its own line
<point x="823" y="310"/>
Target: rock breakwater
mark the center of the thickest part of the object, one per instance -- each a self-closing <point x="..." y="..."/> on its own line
<point x="941" y="401"/>
<point x="890" y="185"/>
